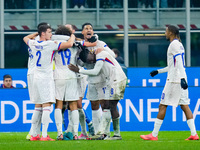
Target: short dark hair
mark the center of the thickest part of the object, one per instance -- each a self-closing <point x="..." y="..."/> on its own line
<point x="7" y="76"/>
<point x="174" y="30"/>
<point x="87" y="23"/>
<point x="43" y="28"/>
<point x="42" y="23"/>
<point x="62" y="30"/>
<point x="116" y="51"/>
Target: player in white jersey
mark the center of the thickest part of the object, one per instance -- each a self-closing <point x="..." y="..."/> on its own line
<point x="44" y="94"/>
<point x="37" y="114"/>
<point x="114" y="90"/>
<point x="82" y="83"/>
<point x="176" y="89"/>
<point x="95" y="83"/>
<point x="65" y="83"/>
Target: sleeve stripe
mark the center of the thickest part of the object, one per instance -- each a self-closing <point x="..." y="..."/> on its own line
<point x="175" y="58"/>
<point x="52" y="56"/>
<point x="59" y="45"/>
<point x="105" y="45"/>
<point x="100" y="59"/>
<point x="109" y="61"/>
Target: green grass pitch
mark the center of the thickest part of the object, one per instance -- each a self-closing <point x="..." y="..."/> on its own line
<point x="167" y="140"/>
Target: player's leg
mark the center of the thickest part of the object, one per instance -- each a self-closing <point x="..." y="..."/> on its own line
<point x="70" y="125"/>
<point x="106" y="118"/>
<point x="74" y="117"/>
<point x="58" y="118"/>
<point x="35" y="121"/>
<point x="82" y="84"/>
<point x="89" y="123"/>
<point x="170" y="95"/>
<point x="115" y="119"/>
<point x="159" y="119"/>
<point x="157" y="124"/>
<point x="82" y="120"/>
<point x="93" y="95"/>
<point x="114" y="93"/>
<point x="45" y="121"/>
<point x="184" y="103"/>
<point x="37" y="114"/>
<point x="96" y="114"/>
<point x="190" y="122"/>
<point x="60" y="86"/>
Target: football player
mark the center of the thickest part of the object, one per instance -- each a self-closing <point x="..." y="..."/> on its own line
<point x="114" y="90"/>
<point x="43" y="84"/>
<point x="176" y="89"/>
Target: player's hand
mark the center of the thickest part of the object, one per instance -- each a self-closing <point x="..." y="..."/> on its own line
<point x="93" y="39"/>
<point x="73" y="68"/>
<point x="72" y="36"/>
<point x="79" y="45"/>
<point x="153" y="73"/>
<point x="184" y="84"/>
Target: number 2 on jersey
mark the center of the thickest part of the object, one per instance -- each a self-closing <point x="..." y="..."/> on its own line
<point x="65" y="54"/>
<point x="39" y="56"/>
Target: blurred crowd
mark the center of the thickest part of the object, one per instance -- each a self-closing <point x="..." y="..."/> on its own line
<point x="81" y="4"/>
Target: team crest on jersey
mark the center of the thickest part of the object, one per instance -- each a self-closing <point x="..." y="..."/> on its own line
<point x="92" y="51"/>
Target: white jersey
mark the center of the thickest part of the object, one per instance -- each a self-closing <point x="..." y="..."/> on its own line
<point x="32" y="59"/>
<point x="62" y="59"/>
<point x="100" y="77"/>
<point x="175" y="62"/>
<point x="44" y="55"/>
<point x="111" y="68"/>
<point x="101" y="44"/>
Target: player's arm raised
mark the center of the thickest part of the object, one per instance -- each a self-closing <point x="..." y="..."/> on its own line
<point x="69" y="43"/>
<point x="29" y="37"/>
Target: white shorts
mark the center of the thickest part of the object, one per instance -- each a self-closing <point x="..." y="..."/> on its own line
<point x="96" y="91"/>
<point x="30" y="85"/>
<point x="115" y="91"/>
<point x="44" y="91"/>
<point x="82" y="84"/>
<point x="174" y="95"/>
<point x="66" y="90"/>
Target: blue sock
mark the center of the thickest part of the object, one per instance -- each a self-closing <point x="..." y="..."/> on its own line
<point x="65" y="119"/>
<point x="87" y="118"/>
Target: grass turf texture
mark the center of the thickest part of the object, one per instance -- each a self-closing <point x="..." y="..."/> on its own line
<point x="169" y="140"/>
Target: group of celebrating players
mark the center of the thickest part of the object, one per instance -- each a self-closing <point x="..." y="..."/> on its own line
<point x="75" y="59"/>
<point x="67" y="82"/>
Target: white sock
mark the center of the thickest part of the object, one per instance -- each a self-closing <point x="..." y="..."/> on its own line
<point x="108" y="119"/>
<point x="75" y="121"/>
<point x="191" y="125"/>
<point x="82" y="121"/>
<point x="103" y="124"/>
<point x="96" y="117"/>
<point x="39" y="122"/>
<point x="45" y="120"/>
<point x="116" y="126"/>
<point x="70" y="125"/>
<point x="58" y="120"/>
<point x="157" y="125"/>
<point x="35" y="119"/>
